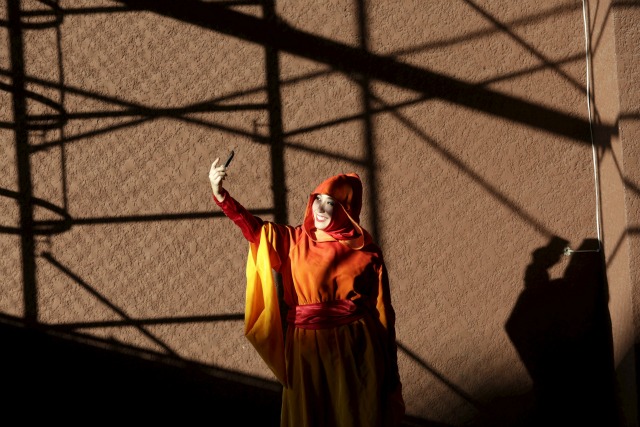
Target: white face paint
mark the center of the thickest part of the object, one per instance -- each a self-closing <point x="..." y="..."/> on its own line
<point x="322" y="210"/>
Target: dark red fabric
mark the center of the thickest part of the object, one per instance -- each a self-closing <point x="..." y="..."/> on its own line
<point x="249" y="224"/>
<point x="324" y="315"/>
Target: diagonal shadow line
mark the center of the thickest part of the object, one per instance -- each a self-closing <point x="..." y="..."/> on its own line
<point x="628" y="183"/>
<point x="530" y="70"/>
<point x="605" y="20"/>
<point x="96" y="132"/>
<point x="439" y="376"/>
<point x="303" y="77"/>
<point x="34" y="97"/>
<point x="203" y="107"/>
<point x="208" y="124"/>
<point x="594" y="47"/>
<point x="355" y="117"/>
<point x="260" y="139"/>
<point x="298" y="146"/>
<point x="64" y="11"/>
<point x="621" y="4"/>
<point x="360" y="116"/>
<point x="312" y="75"/>
<point x="106" y="129"/>
<point x="134" y="112"/>
<point x="47" y="227"/>
<point x="593" y="19"/>
<point x="159" y="217"/>
<point x="142" y="353"/>
<point x="556" y="11"/>
<point x="349" y="59"/>
<point x="255" y="137"/>
<point x="123" y="9"/>
<point x="626" y="233"/>
<point x="38" y="227"/>
<point x="53" y="11"/>
<point x="152" y="112"/>
<point x="231" y="317"/>
<point x="629" y="116"/>
<point x="505" y="29"/>
<point x="99" y="297"/>
<point x="504" y="200"/>
<point x="135" y="107"/>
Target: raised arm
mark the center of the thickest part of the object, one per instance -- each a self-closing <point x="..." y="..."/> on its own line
<point x="217" y="174"/>
<point x="248" y="223"/>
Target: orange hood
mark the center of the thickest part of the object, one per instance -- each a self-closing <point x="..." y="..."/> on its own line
<point x="346" y="189"/>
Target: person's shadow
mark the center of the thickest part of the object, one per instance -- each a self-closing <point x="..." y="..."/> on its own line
<point x="561" y="329"/>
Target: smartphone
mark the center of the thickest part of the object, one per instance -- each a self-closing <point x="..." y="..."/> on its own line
<point x="228" y="162"/>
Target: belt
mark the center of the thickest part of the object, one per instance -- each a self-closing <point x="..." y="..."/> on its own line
<point x="324" y="315"/>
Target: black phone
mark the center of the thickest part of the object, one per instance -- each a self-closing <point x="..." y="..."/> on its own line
<point x="226" y="164"/>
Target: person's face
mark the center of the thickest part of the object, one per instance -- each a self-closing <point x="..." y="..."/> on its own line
<point x="322" y="210"/>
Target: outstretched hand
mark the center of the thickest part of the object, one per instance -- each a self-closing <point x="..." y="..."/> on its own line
<point x="217" y="174"/>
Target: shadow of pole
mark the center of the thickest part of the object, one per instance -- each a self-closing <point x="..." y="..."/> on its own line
<point x="276" y="142"/>
<point x="278" y="181"/>
<point x="368" y="129"/>
<point x="25" y="188"/>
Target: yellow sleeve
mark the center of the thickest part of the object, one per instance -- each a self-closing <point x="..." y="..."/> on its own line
<point x="262" y="323"/>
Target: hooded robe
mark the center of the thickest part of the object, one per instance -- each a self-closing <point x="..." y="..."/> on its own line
<point x="338" y="361"/>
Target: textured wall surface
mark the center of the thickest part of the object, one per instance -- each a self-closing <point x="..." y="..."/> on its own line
<point x="611" y="49"/>
<point x="627" y="52"/>
<point x="467" y="121"/>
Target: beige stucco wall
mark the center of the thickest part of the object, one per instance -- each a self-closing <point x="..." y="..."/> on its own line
<point x="614" y="40"/>
<point x="467" y="121"/>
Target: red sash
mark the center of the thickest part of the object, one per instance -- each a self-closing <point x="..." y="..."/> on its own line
<point x="324" y="315"/>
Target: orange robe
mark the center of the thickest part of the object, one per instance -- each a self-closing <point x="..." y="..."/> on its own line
<point x="343" y="376"/>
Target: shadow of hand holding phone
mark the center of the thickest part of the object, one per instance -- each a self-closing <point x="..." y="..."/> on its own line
<point x="561" y="329"/>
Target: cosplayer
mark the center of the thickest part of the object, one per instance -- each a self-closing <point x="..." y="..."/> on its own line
<point x="337" y="360"/>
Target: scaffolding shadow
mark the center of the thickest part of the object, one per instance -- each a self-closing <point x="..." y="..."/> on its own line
<point x="55" y="368"/>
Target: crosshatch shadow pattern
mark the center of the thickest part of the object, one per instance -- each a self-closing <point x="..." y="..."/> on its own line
<point x="63" y="371"/>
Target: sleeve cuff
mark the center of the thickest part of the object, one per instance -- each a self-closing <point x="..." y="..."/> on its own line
<point x="224" y="198"/>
